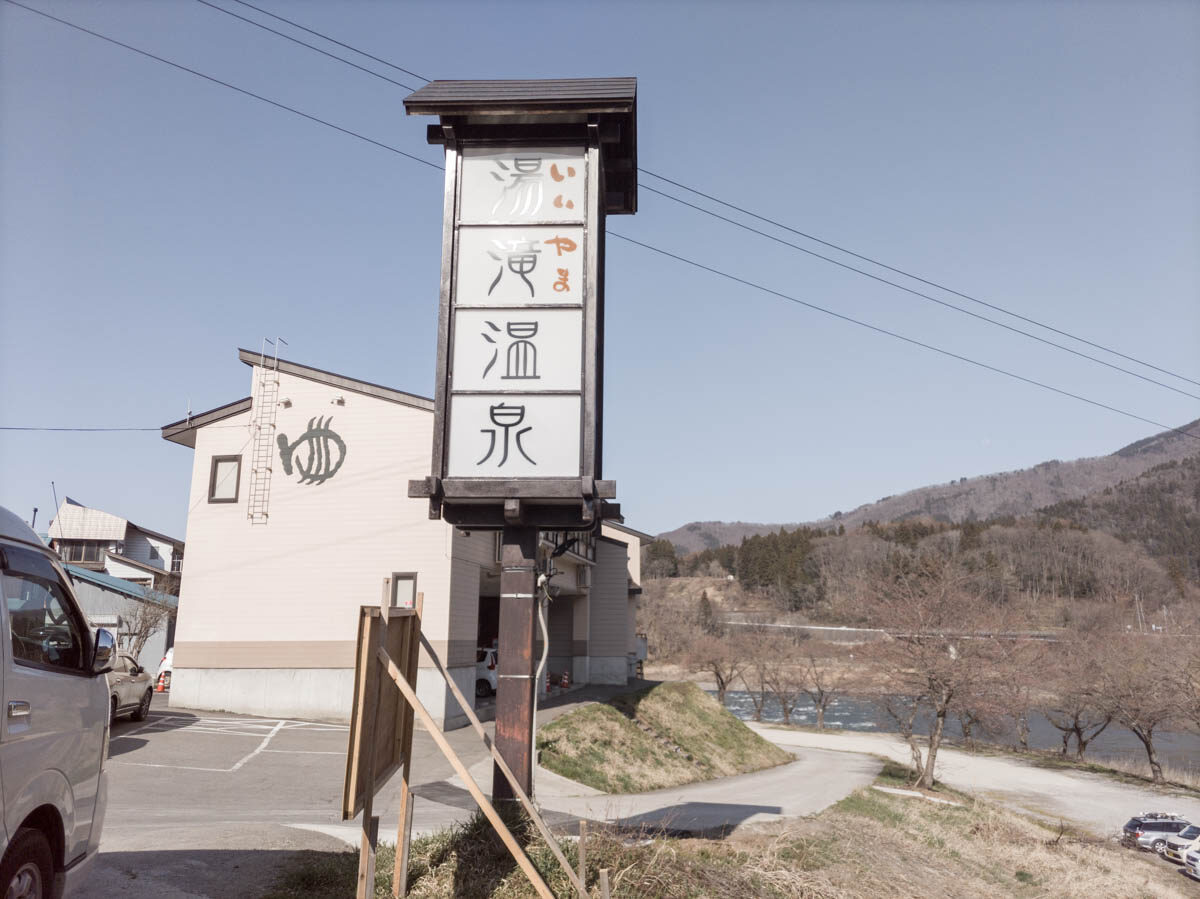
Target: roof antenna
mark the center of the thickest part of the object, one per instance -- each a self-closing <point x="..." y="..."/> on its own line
<point x="52" y="520"/>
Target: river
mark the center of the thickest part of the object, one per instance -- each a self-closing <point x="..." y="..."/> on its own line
<point x="1175" y="749"/>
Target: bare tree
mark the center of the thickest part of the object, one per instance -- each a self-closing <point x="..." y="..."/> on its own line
<point x="943" y="646"/>
<point x="786" y="683"/>
<point x="904" y="710"/>
<point x="144" y="620"/>
<point x="823" y="681"/>
<point x="753" y="675"/>
<point x="1135" y="682"/>
<point x="723" y="658"/>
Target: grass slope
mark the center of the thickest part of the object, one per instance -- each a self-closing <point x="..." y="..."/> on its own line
<point x="685" y="737"/>
<point x="871" y="844"/>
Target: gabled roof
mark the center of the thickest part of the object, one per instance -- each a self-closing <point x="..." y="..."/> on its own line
<point x="184" y="430"/>
<point x="75" y="521"/>
<point x="250" y="357"/>
<point x="120" y="585"/>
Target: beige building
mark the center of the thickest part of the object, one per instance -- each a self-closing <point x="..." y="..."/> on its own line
<point x="299" y="511"/>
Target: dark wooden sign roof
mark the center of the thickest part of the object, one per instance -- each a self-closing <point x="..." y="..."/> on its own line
<point x="536" y="104"/>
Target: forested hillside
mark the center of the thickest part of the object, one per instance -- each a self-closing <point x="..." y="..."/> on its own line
<point x="1014" y="493"/>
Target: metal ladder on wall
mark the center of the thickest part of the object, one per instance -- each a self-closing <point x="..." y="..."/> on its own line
<point x="264" y="404"/>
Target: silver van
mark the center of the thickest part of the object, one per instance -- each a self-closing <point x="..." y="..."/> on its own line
<point x="54" y="736"/>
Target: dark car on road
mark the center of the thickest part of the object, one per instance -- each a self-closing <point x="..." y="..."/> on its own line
<point x="1151" y="830"/>
<point x="130" y="688"/>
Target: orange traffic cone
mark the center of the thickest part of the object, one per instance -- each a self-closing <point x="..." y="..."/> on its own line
<point x="160" y="687"/>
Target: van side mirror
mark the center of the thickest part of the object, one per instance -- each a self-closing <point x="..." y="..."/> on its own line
<point x="104" y="651"/>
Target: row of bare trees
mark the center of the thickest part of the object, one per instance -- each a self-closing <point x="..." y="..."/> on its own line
<point x="956" y="655"/>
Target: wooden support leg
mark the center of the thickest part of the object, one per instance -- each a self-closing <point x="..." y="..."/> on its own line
<point x="514" y="694"/>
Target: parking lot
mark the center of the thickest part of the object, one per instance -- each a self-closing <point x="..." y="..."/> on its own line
<point x="208" y="804"/>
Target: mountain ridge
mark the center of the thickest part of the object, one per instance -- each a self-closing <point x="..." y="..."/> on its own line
<point x="1018" y="492"/>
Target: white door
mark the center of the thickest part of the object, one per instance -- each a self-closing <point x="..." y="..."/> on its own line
<point x="54" y="712"/>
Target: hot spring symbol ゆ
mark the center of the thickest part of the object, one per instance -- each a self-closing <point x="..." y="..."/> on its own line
<point x="317" y="465"/>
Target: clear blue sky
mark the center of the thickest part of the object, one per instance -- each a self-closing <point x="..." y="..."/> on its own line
<point x="1044" y="156"/>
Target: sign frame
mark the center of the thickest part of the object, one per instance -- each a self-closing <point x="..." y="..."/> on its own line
<point x="576" y="502"/>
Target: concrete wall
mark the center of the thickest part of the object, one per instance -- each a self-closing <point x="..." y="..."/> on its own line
<point x="283" y="597"/>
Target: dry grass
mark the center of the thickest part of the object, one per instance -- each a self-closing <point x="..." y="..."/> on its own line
<point x="869" y="845"/>
<point x="691" y="739"/>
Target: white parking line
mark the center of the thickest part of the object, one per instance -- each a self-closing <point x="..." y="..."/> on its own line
<point x="238" y="764"/>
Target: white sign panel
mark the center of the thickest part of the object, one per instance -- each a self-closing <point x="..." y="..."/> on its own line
<point x="517" y="349"/>
<point x="507" y="436"/>
<point x="527" y="184"/>
<point x="519" y="265"/>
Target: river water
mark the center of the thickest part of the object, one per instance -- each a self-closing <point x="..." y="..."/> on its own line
<point x="1178" y="750"/>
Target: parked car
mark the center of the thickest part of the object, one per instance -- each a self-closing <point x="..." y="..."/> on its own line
<point x="485" y="671"/>
<point x="164" y="669"/>
<point x="1151" y="830"/>
<point x="1191" y="863"/>
<point x="54" y="735"/>
<point x="1178" y="845"/>
<point x="130" y="688"/>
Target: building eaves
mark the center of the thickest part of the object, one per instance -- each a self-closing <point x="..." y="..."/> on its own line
<point x="643" y="537"/>
<point x="119" y="585"/>
<point x="134" y="563"/>
<point x="183" y="431"/>
<point x="252" y="357"/>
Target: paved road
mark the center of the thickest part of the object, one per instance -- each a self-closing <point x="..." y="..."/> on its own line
<point x="209" y="805"/>
<point x="1092" y="801"/>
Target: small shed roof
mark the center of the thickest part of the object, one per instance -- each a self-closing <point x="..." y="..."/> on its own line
<point x="120" y="585"/>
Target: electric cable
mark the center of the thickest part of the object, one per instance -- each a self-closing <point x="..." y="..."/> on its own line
<point x="232" y="87"/>
<point x="898" y="336"/>
<point x="917" y="293"/>
<point x="900" y="271"/>
<point x="682" y="259"/>
<point x="288" y="37"/>
<point x="331" y="40"/>
<point x="778" y="224"/>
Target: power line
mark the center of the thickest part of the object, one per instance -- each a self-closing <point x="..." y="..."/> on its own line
<point x="900" y="271"/>
<point x="14" y="428"/>
<point x="918" y="293"/>
<point x="911" y="340"/>
<point x="331" y="40"/>
<point x="803" y="234"/>
<point x="666" y="253"/>
<point x="288" y="37"/>
<point x="232" y="87"/>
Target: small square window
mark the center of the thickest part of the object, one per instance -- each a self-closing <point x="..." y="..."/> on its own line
<point x="404" y="590"/>
<point x="223" y="479"/>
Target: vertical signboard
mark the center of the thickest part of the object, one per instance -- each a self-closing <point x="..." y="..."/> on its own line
<point x="530" y="172"/>
<point x="520" y="290"/>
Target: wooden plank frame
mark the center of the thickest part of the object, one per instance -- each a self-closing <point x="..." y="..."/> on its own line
<point x="380" y="721"/>
<point x="571" y="502"/>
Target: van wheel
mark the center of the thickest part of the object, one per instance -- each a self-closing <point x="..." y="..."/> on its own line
<point x="483" y="688"/>
<point x="28" y="868"/>
<point x="143" y="709"/>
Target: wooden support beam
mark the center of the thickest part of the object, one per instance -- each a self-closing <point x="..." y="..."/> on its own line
<point x="489" y="811"/>
<point x="522" y="796"/>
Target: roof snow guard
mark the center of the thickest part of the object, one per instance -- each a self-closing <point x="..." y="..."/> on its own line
<point x="547" y="109"/>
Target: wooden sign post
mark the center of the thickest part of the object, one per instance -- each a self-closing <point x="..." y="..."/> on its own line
<point x="532" y="170"/>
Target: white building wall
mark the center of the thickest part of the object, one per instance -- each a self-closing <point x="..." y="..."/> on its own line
<point x="284" y="596"/>
<point x="128" y="572"/>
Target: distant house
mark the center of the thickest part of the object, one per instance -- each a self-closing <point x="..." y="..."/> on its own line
<point x="299" y="511"/>
<point x="103" y="542"/>
<point x="134" y="613"/>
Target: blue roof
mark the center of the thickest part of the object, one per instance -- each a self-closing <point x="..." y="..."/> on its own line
<point x="119" y="585"/>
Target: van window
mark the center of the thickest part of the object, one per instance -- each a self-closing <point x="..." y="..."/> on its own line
<point x="46" y="632"/>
